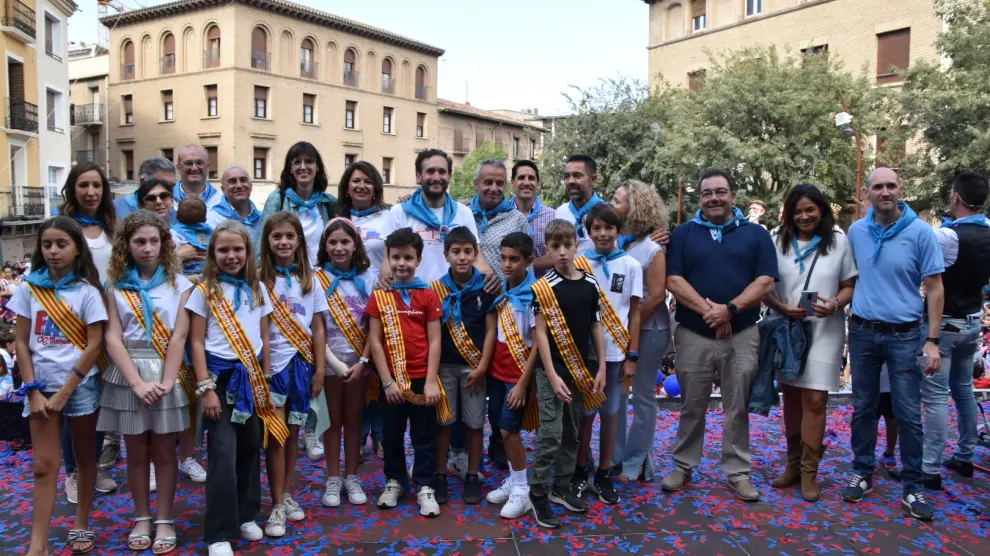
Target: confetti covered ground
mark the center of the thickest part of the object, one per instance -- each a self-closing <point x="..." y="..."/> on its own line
<point x="705" y="518"/>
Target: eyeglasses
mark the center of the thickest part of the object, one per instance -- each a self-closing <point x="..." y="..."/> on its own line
<point x="709" y="193"/>
<point x="192" y="163"/>
<point x="297" y="162"/>
<point x="163" y="196"/>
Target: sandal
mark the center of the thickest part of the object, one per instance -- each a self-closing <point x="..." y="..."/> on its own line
<point x="164" y="545"/>
<point x="79" y="536"/>
<point x="138" y="542"/>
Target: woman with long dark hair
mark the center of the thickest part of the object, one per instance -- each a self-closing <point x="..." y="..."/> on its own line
<point x="302" y="189"/>
<point x="361" y="195"/>
<point x="810" y="245"/>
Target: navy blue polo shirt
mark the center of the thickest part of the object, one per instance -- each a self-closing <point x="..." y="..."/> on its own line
<point x="720" y="271"/>
<point x="474" y="308"/>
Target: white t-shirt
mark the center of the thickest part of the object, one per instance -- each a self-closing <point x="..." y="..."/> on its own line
<point x="166" y="300"/>
<point x="370" y="227"/>
<point x="101" y="248"/>
<point x="250" y="319"/>
<point x="303" y="308"/>
<point x="584" y="243"/>
<point x="8" y="360"/>
<point x="644" y="251"/>
<point x="624" y="282"/>
<point x="52" y="354"/>
<point x="356" y="303"/>
<point x="434" y="264"/>
<point x="312" y="230"/>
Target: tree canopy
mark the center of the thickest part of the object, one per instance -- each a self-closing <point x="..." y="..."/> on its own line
<point x="462" y="181"/>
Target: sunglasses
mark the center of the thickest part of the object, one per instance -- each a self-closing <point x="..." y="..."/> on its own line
<point x="165" y="196"/>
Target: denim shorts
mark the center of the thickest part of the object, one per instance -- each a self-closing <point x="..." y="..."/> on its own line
<point x="613" y="388"/>
<point x="511" y="419"/>
<point x="84" y="401"/>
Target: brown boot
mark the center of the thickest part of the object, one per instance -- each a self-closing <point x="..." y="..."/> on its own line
<point x="810" y="458"/>
<point x="792" y="473"/>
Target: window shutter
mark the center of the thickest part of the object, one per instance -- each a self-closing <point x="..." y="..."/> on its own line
<point x="893" y="52"/>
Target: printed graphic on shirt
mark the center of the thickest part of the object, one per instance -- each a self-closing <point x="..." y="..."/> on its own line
<point x="294" y="304"/>
<point x="48" y="332"/>
<point x="618" y="280"/>
<point x="369" y="234"/>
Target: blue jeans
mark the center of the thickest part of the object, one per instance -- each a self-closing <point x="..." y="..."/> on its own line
<point x="868" y="351"/>
<point x="635" y="450"/>
<point x="372" y="423"/>
<point x="955" y="375"/>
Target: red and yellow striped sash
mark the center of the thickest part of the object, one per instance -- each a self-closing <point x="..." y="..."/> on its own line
<point x="349" y="327"/>
<point x="520" y="354"/>
<point x="396" y="348"/>
<point x="160" y="337"/>
<point x="232" y="329"/>
<point x="291" y="328"/>
<point x="565" y="343"/>
<point x="465" y="345"/>
<point x="610" y="317"/>
<point x="67" y="321"/>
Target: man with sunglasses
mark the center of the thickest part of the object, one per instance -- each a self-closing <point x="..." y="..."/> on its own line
<point x="896" y="252"/>
<point x="156" y="167"/>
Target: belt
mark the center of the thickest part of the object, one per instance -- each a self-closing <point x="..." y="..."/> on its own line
<point x="949" y="327"/>
<point x="880" y="326"/>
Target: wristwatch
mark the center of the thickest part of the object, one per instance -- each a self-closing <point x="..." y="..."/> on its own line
<point x="934" y="340"/>
<point x="364" y="361"/>
<point x="733" y="310"/>
<point x="632" y="356"/>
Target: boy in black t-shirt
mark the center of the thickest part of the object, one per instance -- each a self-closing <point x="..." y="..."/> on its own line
<point x="462" y="365"/>
<point x="566" y="302"/>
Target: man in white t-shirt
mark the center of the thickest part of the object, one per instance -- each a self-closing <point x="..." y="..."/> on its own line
<point x="580" y="176"/>
<point x="431" y="212"/>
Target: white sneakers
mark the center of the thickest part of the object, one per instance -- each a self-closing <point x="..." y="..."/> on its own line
<point x="191" y="467"/>
<point x="276" y="522"/>
<point x="104" y="483"/>
<point x="457" y="464"/>
<point x="355" y="494"/>
<point x="71" y="487"/>
<point x="314" y="448"/>
<point x="428" y="506"/>
<point x="251" y="532"/>
<point x="390" y="496"/>
<point x="331" y="496"/>
<point x="518" y="504"/>
<point x="221" y="549"/>
<point x="501" y="494"/>
<point x="293" y="511"/>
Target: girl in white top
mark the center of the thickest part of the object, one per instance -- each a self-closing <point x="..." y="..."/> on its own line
<point x="146" y="338"/>
<point x="361" y="198"/>
<point x="227" y="379"/>
<point x="347" y="282"/>
<point x="808" y="231"/>
<point x="298" y="352"/>
<point x="58" y="352"/>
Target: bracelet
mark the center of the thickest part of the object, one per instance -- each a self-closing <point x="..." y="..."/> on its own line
<point x="364" y="361"/>
<point x="838" y="306"/>
<point x="387" y="384"/>
<point x="205" y="381"/>
<point x="205" y="386"/>
<point x="28" y="386"/>
<point x="78" y="373"/>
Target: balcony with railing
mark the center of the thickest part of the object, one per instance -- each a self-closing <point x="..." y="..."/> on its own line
<point x="211" y="58"/>
<point x="24" y="202"/>
<point x="309" y="69"/>
<point x="166" y="64"/>
<point x="351" y="78"/>
<point x="87" y="114"/>
<point x="94" y="155"/>
<point x="22" y="115"/>
<point x="19" y="20"/>
<point x="422" y="92"/>
<point x="126" y="72"/>
<point x="261" y="61"/>
<point x="388" y="85"/>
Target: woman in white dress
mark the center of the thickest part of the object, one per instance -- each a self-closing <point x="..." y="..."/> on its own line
<point x="809" y="243"/>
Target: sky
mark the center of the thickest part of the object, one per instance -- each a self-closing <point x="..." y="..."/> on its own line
<point x="510" y="54"/>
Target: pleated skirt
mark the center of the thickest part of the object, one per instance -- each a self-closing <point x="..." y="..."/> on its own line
<point x="121" y="410"/>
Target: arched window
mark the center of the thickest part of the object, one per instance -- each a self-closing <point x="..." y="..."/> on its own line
<point x="421" y="86"/>
<point x="127" y="67"/>
<point x="388" y="81"/>
<point x="307" y="66"/>
<point x="350" y="68"/>
<point x="167" y="62"/>
<point x="211" y="56"/>
<point x="261" y="58"/>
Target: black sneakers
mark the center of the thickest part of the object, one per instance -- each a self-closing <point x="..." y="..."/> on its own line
<point x="933" y="482"/>
<point x="440" y="488"/>
<point x="580" y="480"/>
<point x="568" y="498"/>
<point x="605" y="487"/>
<point x="964" y="468"/>
<point x="543" y="512"/>
<point x="472" y="489"/>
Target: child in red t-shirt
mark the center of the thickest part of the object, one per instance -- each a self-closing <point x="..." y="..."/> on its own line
<point x="404" y="320"/>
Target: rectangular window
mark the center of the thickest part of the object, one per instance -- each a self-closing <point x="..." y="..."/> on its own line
<point x="349" y="159"/>
<point x="696" y="80"/>
<point x="309" y="102"/>
<point x="420" y="124"/>
<point x="128" y="104"/>
<point x="754" y="7"/>
<point x="211" y="159"/>
<point x="699" y="16"/>
<point x="128" y="157"/>
<point x="167" y="106"/>
<point x="52" y="100"/>
<point x="387" y="120"/>
<point x="260" y="163"/>
<point x="169" y="154"/>
<point x="350" y="114"/>
<point x="820" y="50"/>
<point x="53" y="37"/>
<point x="515" y="147"/>
<point x="893" y="53"/>
<point x="260" y="102"/>
<point x="387" y="170"/>
<point x="212" y="106"/>
<point x="532" y="149"/>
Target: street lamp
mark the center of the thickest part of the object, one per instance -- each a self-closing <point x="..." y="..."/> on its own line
<point x="847" y="123"/>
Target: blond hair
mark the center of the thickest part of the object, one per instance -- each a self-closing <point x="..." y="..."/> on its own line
<point x="647" y="211"/>
<point x="120" y="257"/>
<point x="211" y="271"/>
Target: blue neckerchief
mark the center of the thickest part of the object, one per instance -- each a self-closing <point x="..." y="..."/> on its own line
<point x="452" y="303"/>
<point x="365" y="212"/>
<point x="880" y="235"/>
<point x="625" y="240"/>
<point x="580" y="213"/>
<point x="252" y="220"/>
<point x="239" y="392"/>
<point x="311" y="206"/>
<point x="520" y="296"/>
<point x="339" y="275"/>
<point x="978" y="219"/>
<point x="404" y="287"/>
<point x="537" y="209"/>
<point x="178" y="194"/>
<point x="287" y="271"/>
<point x="416" y="207"/>
<point x="737" y="219"/>
<point x="593" y="255"/>
<point x="40" y="279"/>
<point x="505" y="206"/>
<point x="239" y="286"/>
<point x="132" y="282"/>
<point x="84" y="221"/>
<point x="190" y="232"/>
<point x="133" y="203"/>
<point x="802" y="255"/>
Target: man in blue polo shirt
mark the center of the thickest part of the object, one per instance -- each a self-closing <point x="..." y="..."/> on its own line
<point x="895" y="251"/>
<point x="719" y="266"/>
